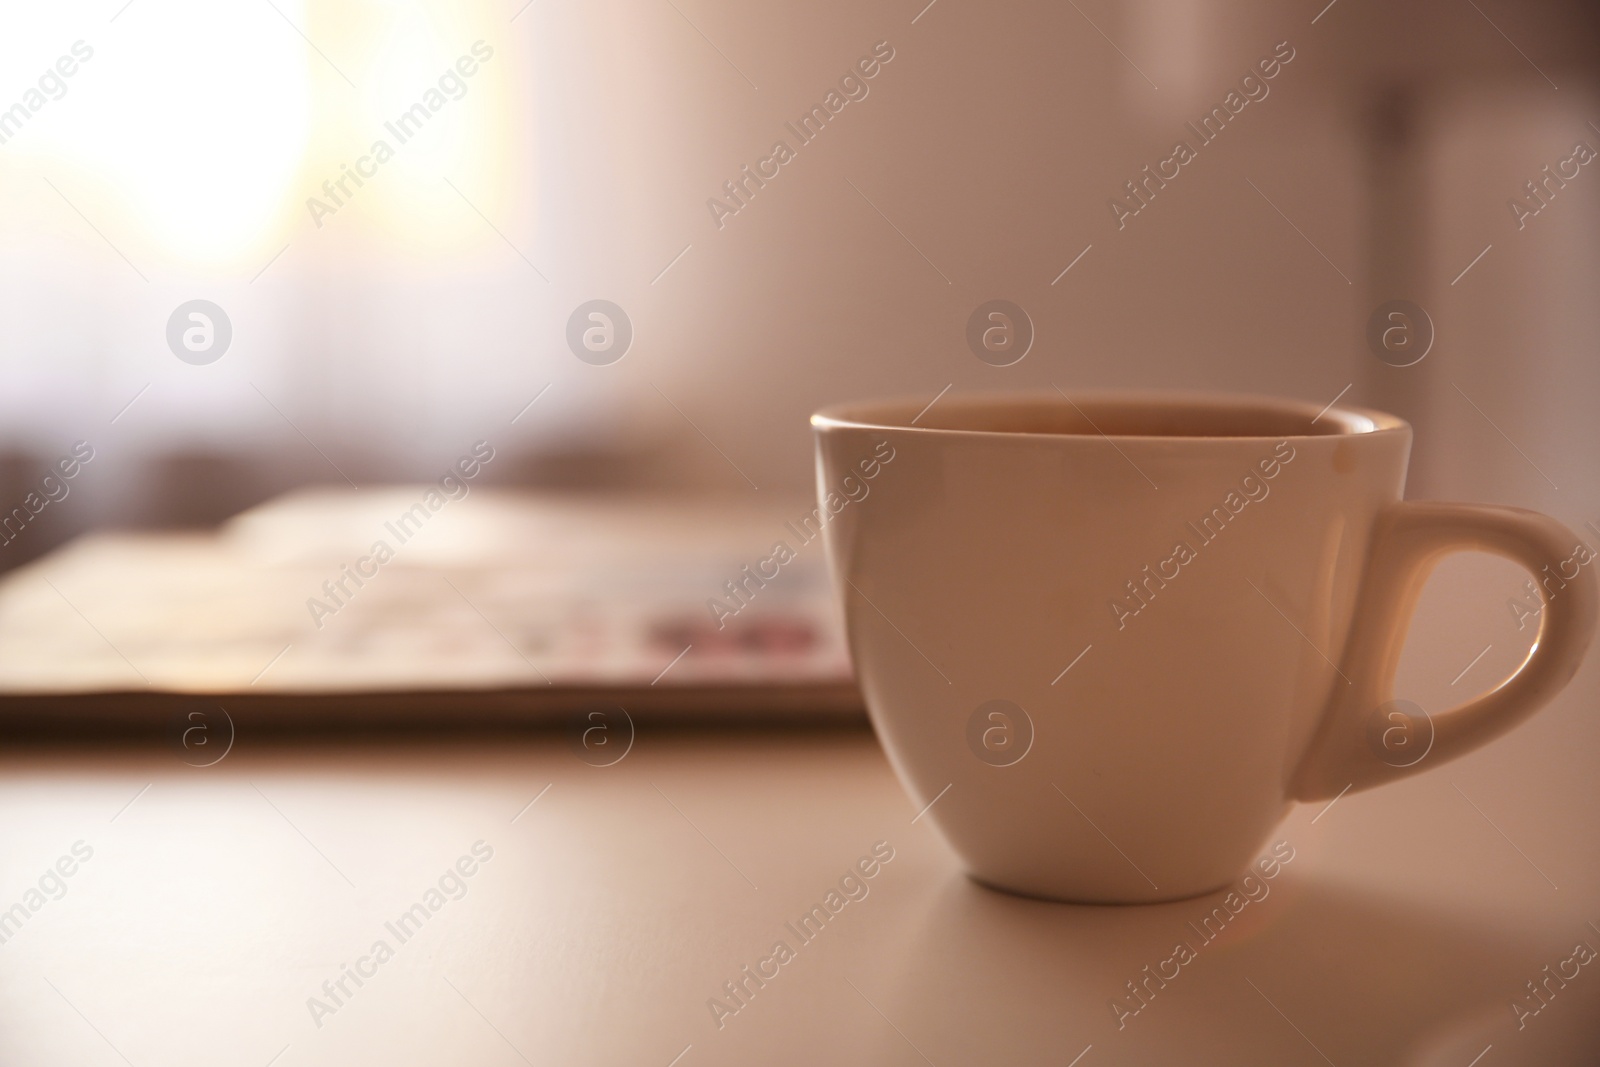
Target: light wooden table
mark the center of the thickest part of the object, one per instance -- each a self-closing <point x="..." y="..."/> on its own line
<point x="619" y="900"/>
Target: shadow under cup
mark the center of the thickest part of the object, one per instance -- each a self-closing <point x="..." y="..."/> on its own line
<point x="1110" y="640"/>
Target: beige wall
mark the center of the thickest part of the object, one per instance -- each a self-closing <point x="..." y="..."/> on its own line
<point x="993" y="141"/>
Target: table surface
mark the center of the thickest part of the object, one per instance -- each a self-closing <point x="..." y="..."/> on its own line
<point x="207" y="906"/>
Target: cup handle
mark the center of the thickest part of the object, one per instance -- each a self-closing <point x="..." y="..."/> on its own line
<point x="1408" y="539"/>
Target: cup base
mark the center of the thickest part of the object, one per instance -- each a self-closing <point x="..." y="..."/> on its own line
<point x="1095" y="900"/>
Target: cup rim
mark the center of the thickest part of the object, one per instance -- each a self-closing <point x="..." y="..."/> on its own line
<point x="896" y="414"/>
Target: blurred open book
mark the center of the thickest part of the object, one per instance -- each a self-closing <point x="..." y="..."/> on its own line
<point x="394" y="603"/>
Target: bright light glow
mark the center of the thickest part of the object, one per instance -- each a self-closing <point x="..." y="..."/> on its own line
<point x="188" y="121"/>
<point x="199" y="130"/>
<point x="408" y="59"/>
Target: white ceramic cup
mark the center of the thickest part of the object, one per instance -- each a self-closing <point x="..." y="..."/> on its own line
<point x="1112" y="639"/>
